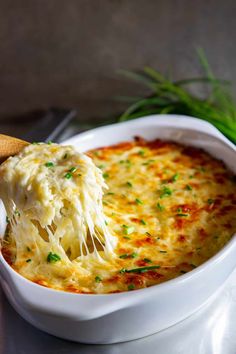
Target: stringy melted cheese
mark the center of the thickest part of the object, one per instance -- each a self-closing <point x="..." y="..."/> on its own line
<point x="169" y="206"/>
<point x="53" y="199"/>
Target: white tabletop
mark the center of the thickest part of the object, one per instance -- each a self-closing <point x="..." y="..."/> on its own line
<point x="209" y="331"/>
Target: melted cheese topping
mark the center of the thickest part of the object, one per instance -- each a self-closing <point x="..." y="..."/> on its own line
<point x="170" y="207"/>
<point x="53" y="198"/>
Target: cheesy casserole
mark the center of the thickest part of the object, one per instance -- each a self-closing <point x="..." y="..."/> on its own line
<point x="169" y="207"/>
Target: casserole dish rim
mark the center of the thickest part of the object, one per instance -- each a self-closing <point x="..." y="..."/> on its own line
<point x="166" y="284"/>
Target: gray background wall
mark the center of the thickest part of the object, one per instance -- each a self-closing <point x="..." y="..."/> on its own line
<point x="67" y="53"/>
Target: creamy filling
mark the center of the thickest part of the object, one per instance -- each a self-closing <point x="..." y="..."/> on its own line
<point x="53" y="199"/>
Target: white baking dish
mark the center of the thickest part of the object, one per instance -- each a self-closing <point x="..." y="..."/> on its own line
<point x="129" y="315"/>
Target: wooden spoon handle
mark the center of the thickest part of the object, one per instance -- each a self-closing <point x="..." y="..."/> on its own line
<point x="10" y="146"/>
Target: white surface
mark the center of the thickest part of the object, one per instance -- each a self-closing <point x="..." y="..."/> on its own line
<point x="124" y="316"/>
<point x="209" y="331"/>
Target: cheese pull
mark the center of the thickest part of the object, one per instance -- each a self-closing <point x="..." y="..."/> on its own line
<point x="53" y="198"/>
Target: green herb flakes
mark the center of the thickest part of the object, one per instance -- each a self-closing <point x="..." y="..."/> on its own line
<point x="68" y="175"/>
<point x="139" y="270"/>
<point x="141" y="152"/>
<point x="160" y="207"/>
<point x="131" y="287"/>
<point x="53" y="257"/>
<point x="49" y="164"/>
<point x="98" y="279"/>
<point x="128" y="229"/>
<point x="72" y="169"/>
<point x="188" y="187"/>
<point x="138" y="201"/>
<point x="210" y="201"/>
<point x="175" y="177"/>
<point x="165" y="192"/>
<point x="105" y="175"/>
<point x="124" y="256"/>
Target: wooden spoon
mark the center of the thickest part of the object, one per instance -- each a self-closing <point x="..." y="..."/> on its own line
<point x="10" y="146"/>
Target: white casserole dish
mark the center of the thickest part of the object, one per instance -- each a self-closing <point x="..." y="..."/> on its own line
<point x="125" y="316"/>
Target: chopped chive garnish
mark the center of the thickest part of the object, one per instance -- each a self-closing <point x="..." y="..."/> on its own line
<point x="65" y="156"/>
<point x="128" y="162"/>
<point x="210" y="201"/>
<point x="28" y="260"/>
<point x="141" y="152"/>
<point x="101" y="166"/>
<point x="163" y="251"/>
<point x="28" y="249"/>
<point x="160" y="207"/>
<point x="127" y="237"/>
<point x="129" y="184"/>
<point x="139" y="270"/>
<point x="53" y="257"/>
<point x="72" y="169"/>
<point x="165" y="192"/>
<point x="110" y="193"/>
<point x="122" y="271"/>
<point x="148" y="162"/>
<point x="147" y="260"/>
<point x="143" y="222"/>
<point x="7" y="220"/>
<point x="188" y="187"/>
<point x="128" y="229"/>
<point x="106" y="223"/>
<point x="68" y="175"/>
<point x="193" y="265"/>
<point x="148" y="233"/>
<point x="131" y="287"/>
<point x="138" y="201"/>
<point x="35" y="143"/>
<point x="49" y="142"/>
<point x="105" y="175"/>
<point x="49" y="164"/>
<point x="179" y="210"/>
<point x="191" y="176"/>
<point x="124" y="256"/>
<point x="181" y="214"/>
<point x="98" y="279"/>
<point x="175" y="177"/>
<point x="16" y="212"/>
